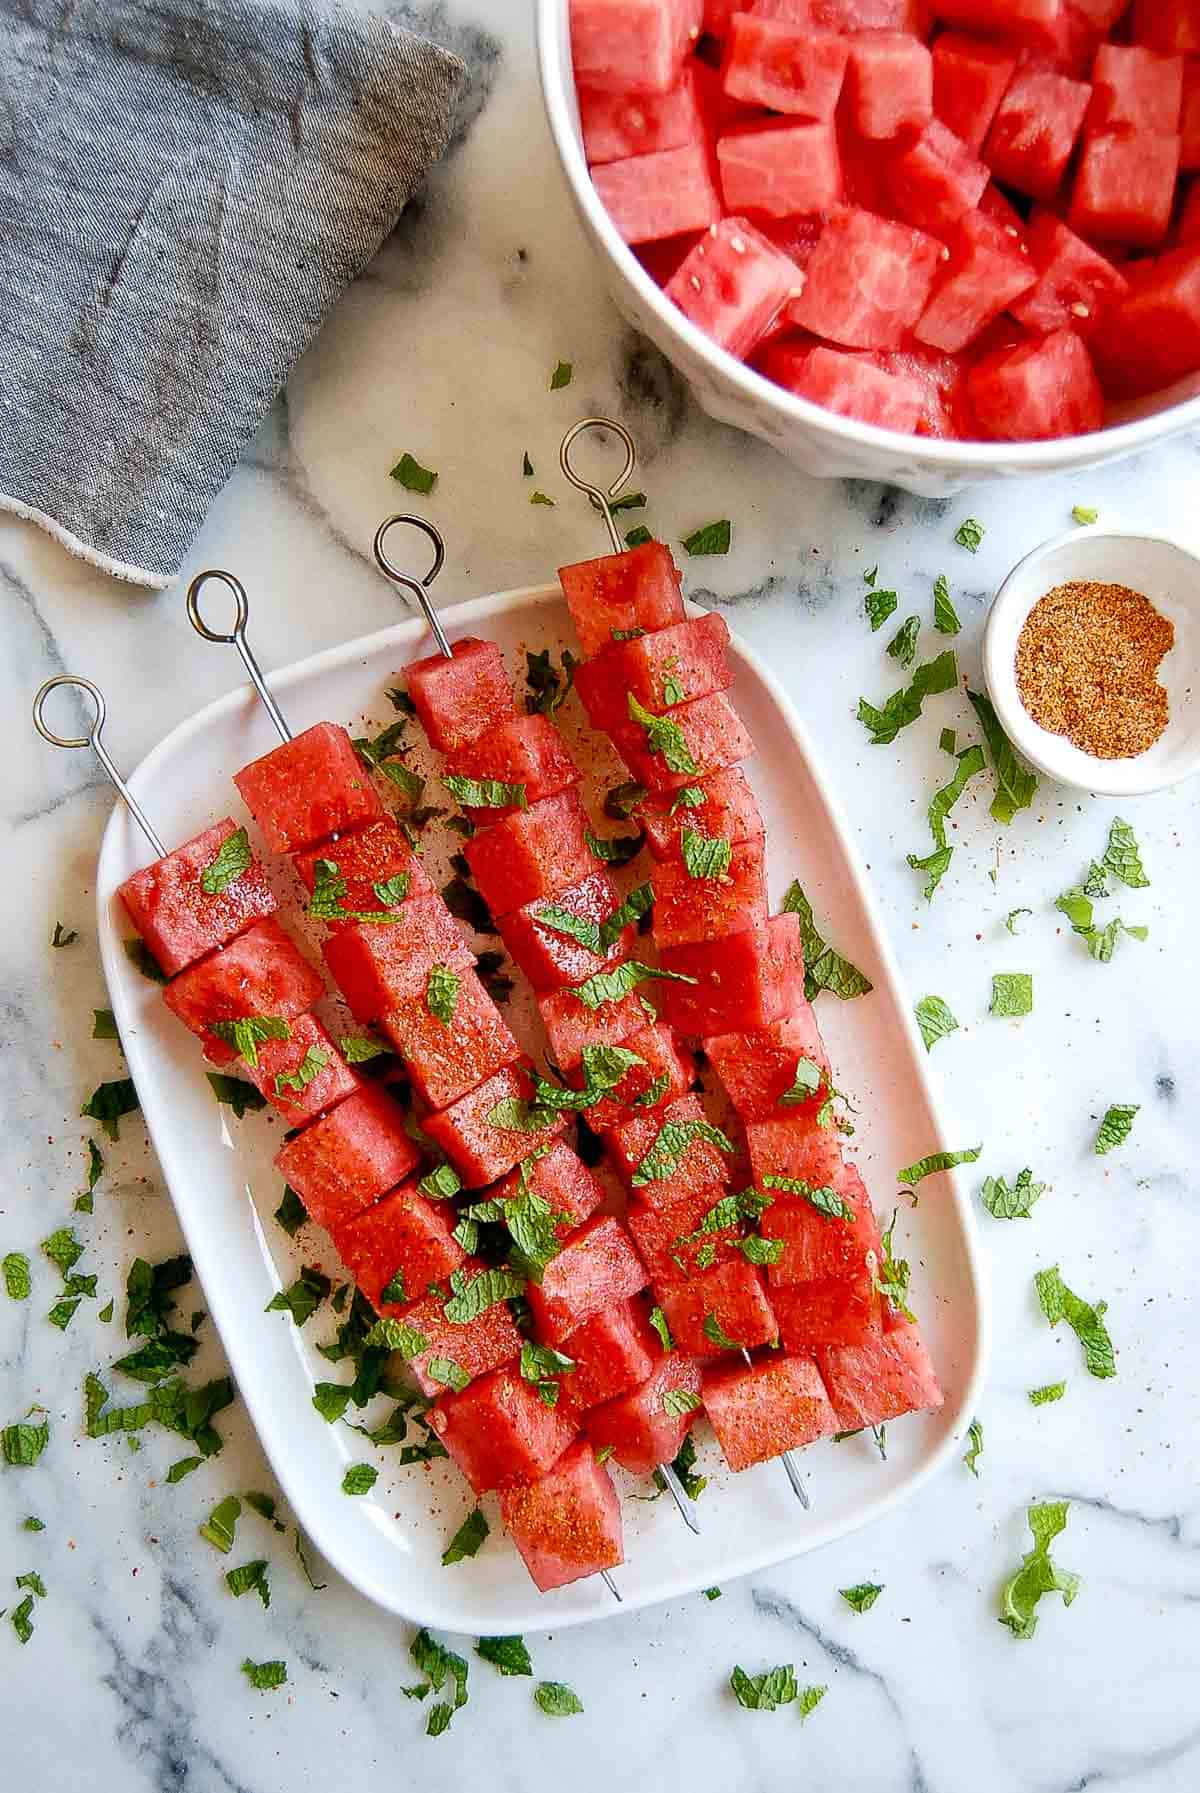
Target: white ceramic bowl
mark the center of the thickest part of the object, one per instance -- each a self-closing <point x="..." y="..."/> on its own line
<point x="815" y="439"/>
<point x="1168" y="572"/>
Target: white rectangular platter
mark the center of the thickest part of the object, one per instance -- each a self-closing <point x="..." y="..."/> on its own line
<point x="219" y="1171"/>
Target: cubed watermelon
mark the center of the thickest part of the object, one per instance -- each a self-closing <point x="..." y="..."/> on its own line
<point x="693" y="904"/>
<point x="793" y="1143"/>
<point x="482" y="1149"/>
<point x="618" y="125"/>
<point x="527" y="751"/>
<point x="445" y="1059"/>
<point x="303" y="1075"/>
<point x="632" y="46"/>
<point x="713" y="735"/>
<point x="841" y="1311"/>
<point x="784" y="67"/>
<point x="941" y="381"/>
<point x="400" y="1244"/>
<point x="868" y="281"/>
<point x="567" y="1525"/>
<point x="733" y="284"/>
<point x="1172" y="26"/>
<point x="553" y="958"/>
<point x="646" y="1427"/>
<point x="612" y="1352"/>
<point x="887" y="1375"/>
<point x="561" y="1178"/>
<point x="1125" y="187"/>
<point x="261" y="972"/>
<point x="370" y="856"/>
<point x="889" y="85"/>
<point x="664" y="1074"/>
<point x="852" y="385"/>
<point x="459" y="698"/>
<point x="819" y="1247"/>
<point x="727" y="810"/>
<point x="748" y="980"/>
<point x="177" y="918"/>
<point x="844" y="15"/>
<point x="571" y="1024"/>
<point x="669" y="1237"/>
<point x="757" y="1070"/>
<point x="1033" y="23"/>
<point x="635" y="590"/>
<point x="348" y="1158"/>
<point x="729" y="1298"/>
<point x="377" y="968"/>
<point x="308" y="788"/>
<point x="1189" y="119"/>
<point x="499" y="1430"/>
<point x="1037" y="390"/>
<point x="970" y="78"/>
<point x="481" y="1345"/>
<point x="936" y="180"/>
<point x="988" y="269"/>
<point x="532" y="854"/>
<point x="1135" y="88"/>
<point x="780" y="169"/>
<point x="669" y="667"/>
<point x="1153" y="336"/>
<point x="660" y="195"/>
<point x="699" y="1164"/>
<point x="762" y="1409"/>
<point x="1076" y="288"/>
<point x="597" y="1266"/>
<point x="1036" y="126"/>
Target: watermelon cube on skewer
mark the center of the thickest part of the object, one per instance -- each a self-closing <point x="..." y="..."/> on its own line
<point x="261" y="973"/>
<point x="532" y="854"/>
<point x="665" y="1140"/>
<point x="376" y="854"/>
<point x="348" y="1158"/>
<point x="458" y="699"/>
<point x="308" y="788"/>
<point x="612" y="1352"/>
<point x="887" y="1375"/>
<point x="792" y="1143"/>
<point x="571" y="1024"/>
<point x="722" y="806"/>
<point x="747" y="980"/>
<point x="568" y="1524"/>
<point x="498" y="1430"/>
<point x="638" y="589"/>
<point x="668" y="667"/>
<point x="670" y="1233"/>
<point x="177" y="918"/>
<point x="525" y="751"/>
<point x="446" y="1058"/>
<point x="378" y="967"/>
<point x="482" y="1344"/>
<point x="665" y="1072"/>
<point x="552" y="954"/>
<point x="733" y="283"/>
<point x="476" y="1133"/>
<point x="561" y="1178"/>
<point x="691" y="905"/>
<point x="727" y="1301"/>
<point x="760" y="1410"/>
<point x="818" y="1246"/>
<point x="757" y="1070"/>
<point x="648" y="1425"/>
<point x="842" y="1310"/>
<point x="303" y="1075"/>
<point x="400" y="1245"/>
<point x="597" y="1266"/>
<point x="710" y="735"/>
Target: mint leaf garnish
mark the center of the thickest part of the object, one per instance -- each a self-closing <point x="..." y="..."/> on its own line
<point x="663" y="737"/>
<point x="1115" y="1127"/>
<point x="233" y="857"/>
<point x="1038" y="1573"/>
<point x="467" y="1539"/>
<point x="945" y="617"/>
<point x="247" y="1032"/>
<point x="824" y="969"/>
<point x="409" y="473"/>
<point x="1086" y="1320"/>
<point x="1012" y="994"/>
<point x="935" y="1021"/>
<point x="969" y="534"/>
<point x="1016" y="784"/>
<point x="862" y="1596"/>
<point x="1011" y="1202"/>
<point x="926" y="1167"/>
<point x="904" y="706"/>
<point x="903" y="645"/>
<point x="712" y="538"/>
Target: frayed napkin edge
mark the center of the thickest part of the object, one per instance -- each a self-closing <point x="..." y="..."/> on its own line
<point x="116" y="569"/>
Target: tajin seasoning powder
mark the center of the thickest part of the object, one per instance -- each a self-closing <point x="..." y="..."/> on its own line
<point x="1087" y="661"/>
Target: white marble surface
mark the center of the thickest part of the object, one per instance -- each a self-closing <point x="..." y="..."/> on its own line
<point x="444" y="348"/>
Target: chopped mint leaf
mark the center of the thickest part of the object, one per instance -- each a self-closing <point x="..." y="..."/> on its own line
<point x="303" y="1297"/>
<point x="143" y="960"/>
<point x="879" y="605"/>
<point x="824" y="969"/>
<point x="360" y="1478"/>
<point x="759" y="1251"/>
<point x="508" y="1654"/>
<point x="95" y="1168"/>
<point x="659" y="1322"/>
<point x="704" y="857"/>
<point x="106" y="1312"/>
<point x="935" y="1021"/>
<point x="926" y="1167"/>
<point x="638" y="536"/>
<point x="33" y="1524"/>
<point x="638" y="903"/>
<point x="623" y="800"/>
<point x="1122" y="856"/>
<point x="903" y="645"/>
<point x="670" y="1144"/>
<point x="891" y="1281"/>
<point x="526" y="465"/>
<point x="542" y="1365"/>
<point x="690" y="797"/>
<point x="678" y="1401"/>
<point x="663" y="737"/>
<point x="561" y="376"/>
<point x="1011" y="1202"/>
<point x="945" y="617"/>
<point x="712" y="538"/>
<point x="1050" y="1391"/>
<point x="1012" y="994"/>
<point x="328" y="891"/>
<point x="104" y="1025"/>
<point x="826" y="1201"/>
<point x="441" y="993"/>
<point x="1086" y="1321"/>
<point x="904" y="706"/>
<point x="21" y="1618"/>
<point x="108" y="1102"/>
<point x="541" y="498"/>
<point x="614" y="849"/>
<point x="439" y="1719"/>
<point x="233" y="1092"/>
<point x="556" y="1699"/>
<point x="948" y="741"/>
<point x="1115" y="1127"/>
<point x="1016" y="784"/>
<point x="975" y="1447"/>
<point x="220" y="1527"/>
<point x="291" y="1212"/>
<point x="862" y="1596"/>
<point x="396" y="1335"/>
<point x="1084" y="514"/>
<point x="393" y="1291"/>
<point x="615" y="985"/>
<point x="1038" y="1573"/>
<point x="33" y="1581"/>
<point x="447" y="1372"/>
<point x="265" y="1675"/>
<point x="183" y="1467"/>
<point x="486" y="793"/>
<point x="248" y="1031"/>
<point x="473" y="1296"/>
<point x="716" y="1334"/>
<point x="16" y="1276"/>
<point x="712" y="1593"/>
<point x="467" y="1539"/>
<point x="331" y="1400"/>
<point x="232" y="859"/>
<point x="629" y="501"/>
<point x="440" y="1184"/>
<point x="806" y="1083"/>
<point x="808" y="1699"/>
<point x="775" y="1687"/>
<point x="547" y="687"/>
<point x="250" y="1577"/>
<point x="1010" y="920"/>
<point x="969" y="534"/>
<point x="410" y="474"/>
<point x="63" y="936"/>
<point x="935" y="864"/>
<point x="63" y="1249"/>
<point x="23" y="1443"/>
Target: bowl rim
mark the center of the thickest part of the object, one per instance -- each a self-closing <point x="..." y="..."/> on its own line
<point x="1026" y="735"/>
<point x="1061" y="454"/>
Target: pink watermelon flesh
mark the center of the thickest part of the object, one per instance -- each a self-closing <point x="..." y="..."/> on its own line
<point x="527" y="751"/>
<point x="728" y="810"/>
<point x="786" y="69"/>
<point x="370" y="856"/>
<point x="1135" y="88"/>
<point x="888" y="1375"/>
<point x="730" y="1297"/>
<point x="481" y="1345"/>
<point x="1125" y="188"/>
<point x="748" y="980"/>
<point x="1034" y="23"/>
<point x="660" y="195"/>
<point x="780" y="170"/>
<point x="988" y="270"/>
<point x="635" y="590"/>
<point x="532" y="854"/>
<point x="481" y="1149"/>
<point x="377" y="967"/>
<point x="1076" y="285"/>
<point x="177" y="918"/>
<point x="889" y="85"/>
<point x="970" y="78"/>
<point x="552" y="959"/>
<point x="1172" y="26"/>
<point x="632" y="46"/>
<point x="307" y="1096"/>
<point x="757" y="1070"/>
<point x="568" y="1524"/>
<point x="668" y="667"/>
<point x="404" y="1241"/>
<point x="841" y="1311"/>
<point x="1035" y="129"/>
<point x="1153" y="336"/>
<point x="641" y="1431"/>
<point x="458" y="699"/>
<point x="688" y="908"/>
<point x="733" y="285"/>
<point x="261" y="972"/>
<point x="666" y="1072"/>
<point x="700" y="1164"/>
<point x="713" y="736"/>
<point x="1189" y="122"/>
<point x="563" y="1180"/>
<point x="662" y="1231"/>
<point x="308" y="788"/>
<point x="762" y="1409"/>
<point x="571" y="1025"/>
<point x="348" y="1158"/>
<point x="597" y="1266"/>
<point x="794" y="1144"/>
<point x="618" y="125"/>
<point x="820" y="1247"/>
<point x="498" y="1430"/>
<point x="1037" y="390"/>
<point x="868" y="281"/>
<point x="936" y="181"/>
<point x="612" y="1352"/>
<point x="851" y="385"/>
<point x="445" y="1059"/>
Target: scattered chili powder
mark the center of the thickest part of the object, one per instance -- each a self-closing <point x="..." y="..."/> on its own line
<point x="1086" y="664"/>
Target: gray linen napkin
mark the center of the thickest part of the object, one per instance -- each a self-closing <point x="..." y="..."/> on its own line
<point x="185" y="188"/>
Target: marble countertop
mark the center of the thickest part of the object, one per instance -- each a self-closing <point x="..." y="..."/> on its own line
<point x="444" y="348"/>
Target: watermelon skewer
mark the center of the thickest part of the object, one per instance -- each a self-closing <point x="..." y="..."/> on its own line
<point x="586" y="1477"/>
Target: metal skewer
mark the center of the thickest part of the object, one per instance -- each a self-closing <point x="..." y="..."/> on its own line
<point x="94" y="740"/>
<point x="602" y="499"/>
<point x="237" y="638"/>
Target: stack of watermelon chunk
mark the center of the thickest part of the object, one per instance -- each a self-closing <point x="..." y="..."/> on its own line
<point x="949" y="218"/>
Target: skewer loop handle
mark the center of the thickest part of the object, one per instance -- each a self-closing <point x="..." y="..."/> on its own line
<point x="235" y="637"/>
<point x="602" y="498"/>
<point x="416" y="588"/>
<point x="94" y="740"/>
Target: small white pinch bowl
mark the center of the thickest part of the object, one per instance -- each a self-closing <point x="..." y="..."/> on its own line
<point x="1167" y="572"/>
